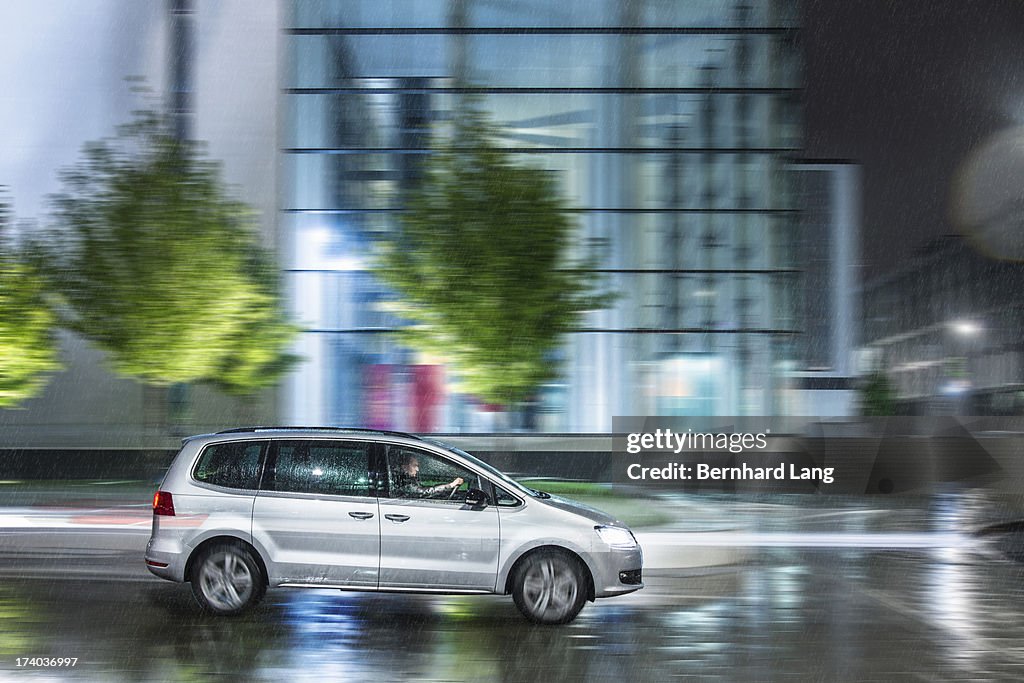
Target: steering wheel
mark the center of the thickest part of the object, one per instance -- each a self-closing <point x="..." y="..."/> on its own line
<point x="454" y="491"/>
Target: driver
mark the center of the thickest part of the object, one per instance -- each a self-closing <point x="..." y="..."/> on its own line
<point x="409" y="486"/>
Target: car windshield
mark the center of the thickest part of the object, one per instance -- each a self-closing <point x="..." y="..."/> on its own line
<point x="497" y="474"/>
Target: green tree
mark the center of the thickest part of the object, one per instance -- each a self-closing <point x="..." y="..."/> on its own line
<point x="482" y="268"/>
<point x="28" y="349"/>
<point x="159" y="266"/>
<point x="878" y="398"/>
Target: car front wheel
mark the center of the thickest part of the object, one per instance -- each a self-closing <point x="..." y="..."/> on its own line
<point x="550" y="588"/>
<point x="226" y="579"/>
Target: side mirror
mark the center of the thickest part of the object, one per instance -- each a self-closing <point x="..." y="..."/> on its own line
<point x="476" y="498"/>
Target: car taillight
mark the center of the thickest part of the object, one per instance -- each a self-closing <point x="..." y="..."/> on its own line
<point x="163" y="504"/>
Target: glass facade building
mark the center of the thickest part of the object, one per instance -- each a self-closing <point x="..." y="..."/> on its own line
<point x="670" y="126"/>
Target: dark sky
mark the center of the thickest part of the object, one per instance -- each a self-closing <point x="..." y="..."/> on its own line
<point x="908" y="88"/>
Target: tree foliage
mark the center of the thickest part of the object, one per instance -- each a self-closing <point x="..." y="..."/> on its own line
<point x="159" y="266"/>
<point x="28" y="349"/>
<point x="482" y="267"/>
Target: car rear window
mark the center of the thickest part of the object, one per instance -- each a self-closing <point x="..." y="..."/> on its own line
<point x="235" y="464"/>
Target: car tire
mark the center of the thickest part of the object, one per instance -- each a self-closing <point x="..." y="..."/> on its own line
<point x="226" y="580"/>
<point x="550" y="587"/>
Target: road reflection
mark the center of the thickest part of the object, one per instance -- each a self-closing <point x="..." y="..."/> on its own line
<point x="786" y="614"/>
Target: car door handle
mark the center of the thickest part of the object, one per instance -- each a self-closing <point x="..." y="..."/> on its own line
<point x="361" y="515"/>
<point x="397" y="518"/>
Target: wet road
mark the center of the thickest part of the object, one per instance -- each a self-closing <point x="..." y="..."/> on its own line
<point x="844" y="592"/>
<point x="782" y="615"/>
<point x="785" y="615"/>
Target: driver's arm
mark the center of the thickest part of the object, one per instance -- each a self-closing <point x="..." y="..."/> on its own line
<point x="414" y="488"/>
<point x="450" y="486"/>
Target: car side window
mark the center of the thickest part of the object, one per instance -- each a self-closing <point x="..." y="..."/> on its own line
<point x="506" y="499"/>
<point x="234" y="465"/>
<point x="413" y="473"/>
<point x="337" y="468"/>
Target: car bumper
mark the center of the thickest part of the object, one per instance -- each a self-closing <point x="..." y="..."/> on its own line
<point x="618" y="571"/>
<point x="166" y="562"/>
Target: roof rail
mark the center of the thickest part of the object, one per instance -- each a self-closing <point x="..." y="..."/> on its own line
<point x="265" y="428"/>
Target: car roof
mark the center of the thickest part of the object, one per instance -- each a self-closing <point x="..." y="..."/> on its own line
<point x="239" y="433"/>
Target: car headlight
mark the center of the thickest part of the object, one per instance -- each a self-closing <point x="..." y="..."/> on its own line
<point x="616" y="537"/>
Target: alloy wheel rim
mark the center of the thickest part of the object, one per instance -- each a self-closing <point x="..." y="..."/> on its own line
<point x="550" y="587"/>
<point x="226" y="581"/>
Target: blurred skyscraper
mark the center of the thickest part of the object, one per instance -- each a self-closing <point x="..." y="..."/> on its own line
<point x="671" y="127"/>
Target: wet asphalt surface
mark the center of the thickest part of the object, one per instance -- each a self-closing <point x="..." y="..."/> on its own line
<point x="786" y="615"/>
<point x="948" y="613"/>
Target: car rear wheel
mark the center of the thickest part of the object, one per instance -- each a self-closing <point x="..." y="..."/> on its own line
<point x="550" y="587"/>
<point x="226" y="579"/>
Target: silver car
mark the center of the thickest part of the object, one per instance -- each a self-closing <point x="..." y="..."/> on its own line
<point x="245" y="509"/>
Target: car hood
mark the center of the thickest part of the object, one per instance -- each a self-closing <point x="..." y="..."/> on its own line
<point x="580" y="509"/>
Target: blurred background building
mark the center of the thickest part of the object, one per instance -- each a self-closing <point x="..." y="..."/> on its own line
<point x="674" y="130"/>
<point x="945" y="330"/>
<point x="830" y="310"/>
<point x="671" y="127"/>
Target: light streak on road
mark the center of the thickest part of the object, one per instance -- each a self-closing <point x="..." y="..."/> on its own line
<point x="804" y="539"/>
